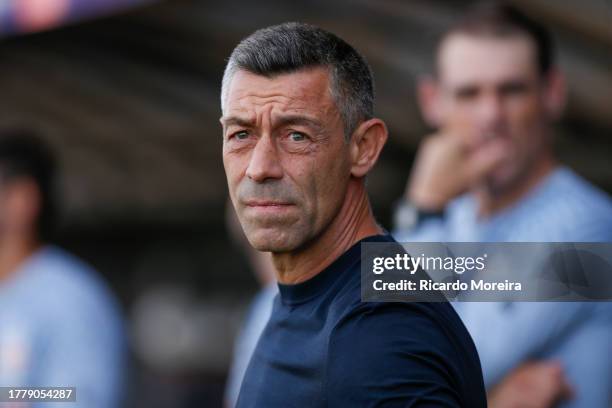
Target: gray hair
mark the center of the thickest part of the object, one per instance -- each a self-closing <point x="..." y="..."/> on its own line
<point x="290" y="47"/>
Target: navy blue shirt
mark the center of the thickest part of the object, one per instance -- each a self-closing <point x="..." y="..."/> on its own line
<point x="324" y="347"/>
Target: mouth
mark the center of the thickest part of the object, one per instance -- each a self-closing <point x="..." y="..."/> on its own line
<point x="265" y="208"/>
<point x="266" y="203"/>
<point x="488" y="140"/>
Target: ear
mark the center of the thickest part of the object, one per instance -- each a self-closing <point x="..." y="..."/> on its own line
<point x="555" y="93"/>
<point x="366" y="144"/>
<point x="428" y="96"/>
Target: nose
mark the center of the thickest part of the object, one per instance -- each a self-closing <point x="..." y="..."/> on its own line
<point x="491" y="111"/>
<point x="264" y="163"/>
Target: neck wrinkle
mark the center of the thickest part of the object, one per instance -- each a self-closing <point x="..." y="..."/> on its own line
<point x="353" y="223"/>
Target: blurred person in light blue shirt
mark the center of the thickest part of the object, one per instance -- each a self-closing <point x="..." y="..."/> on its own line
<point x="490" y="175"/>
<point x="59" y="324"/>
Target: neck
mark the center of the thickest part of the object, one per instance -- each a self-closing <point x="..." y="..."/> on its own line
<point x="492" y="202"/>
<point x="13" y="252"/>
<point x="354" y="222"/>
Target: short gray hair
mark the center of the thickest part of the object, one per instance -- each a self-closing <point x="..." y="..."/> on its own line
<point x="290" y="47"/>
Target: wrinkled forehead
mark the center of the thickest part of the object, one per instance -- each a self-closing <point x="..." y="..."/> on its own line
<point x="485" y="59"/>
<point x="303" y="90"/>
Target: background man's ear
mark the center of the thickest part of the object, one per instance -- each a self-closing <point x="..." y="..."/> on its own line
<point x="556" y="93"/>
<point x="428" y="98"/>
<point x="366" y="144"/>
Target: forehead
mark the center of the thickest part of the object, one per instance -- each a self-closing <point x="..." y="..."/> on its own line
<point x="467" y="58"/>
<point x="303" y="90"/>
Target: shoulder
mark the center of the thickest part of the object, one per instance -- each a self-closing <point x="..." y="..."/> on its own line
<point x="568" y="185"/>
<point x="406" y="351"/>
<point x="580" y="210"/>
<point x="563" y="208"/>
<point x="63" y="284"/>
<point x="427" y="326"/>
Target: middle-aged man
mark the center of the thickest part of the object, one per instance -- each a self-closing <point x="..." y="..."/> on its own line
<point x="299" y="137"/>
<point x="490" y="174"/>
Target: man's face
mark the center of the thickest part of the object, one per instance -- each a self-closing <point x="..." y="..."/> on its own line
<point x="285" y="157"/>
<point x="492" y="92"/>
<point x="19" y="206"/>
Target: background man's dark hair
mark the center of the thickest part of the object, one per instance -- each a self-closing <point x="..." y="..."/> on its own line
<point x="498" y="19"/>
<point x="290" y="47"/>
<point x="24" y="155"/>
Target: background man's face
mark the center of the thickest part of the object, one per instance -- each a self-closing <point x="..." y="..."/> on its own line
<point x="285" y="158"/>
<point x="492" y="92"/>
<point x="19" y="207"/>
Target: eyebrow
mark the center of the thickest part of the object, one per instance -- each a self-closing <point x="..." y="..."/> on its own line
<point x="281" y="120"/>
<point x="298" y="120"/>
<point x="236" y="120"/>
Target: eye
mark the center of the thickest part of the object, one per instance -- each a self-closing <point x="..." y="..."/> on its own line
<point x="514" y="88"/>
<point x="297" y="136"/>
<point x="240" y="135"/>
<point x="466" y="93"/>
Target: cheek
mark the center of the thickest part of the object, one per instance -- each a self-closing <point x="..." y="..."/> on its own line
<point x="233" y="166"/>
<point x="461" y="119"/>
<point x="228" y="169"/>
<point x="332" y="180"/>
<point x="525" y="114"/>
<point x="322" y="183"/>
<point x="526" y="121"/>
<point x="304" y="178"/>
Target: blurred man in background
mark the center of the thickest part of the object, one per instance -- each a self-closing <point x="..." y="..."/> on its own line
<point x="59" y="324"/>
<point x="490" y="174"/>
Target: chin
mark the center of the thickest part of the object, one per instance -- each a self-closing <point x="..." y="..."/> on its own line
<point x="272" y="241"/>
<point x="503" y="179"/>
